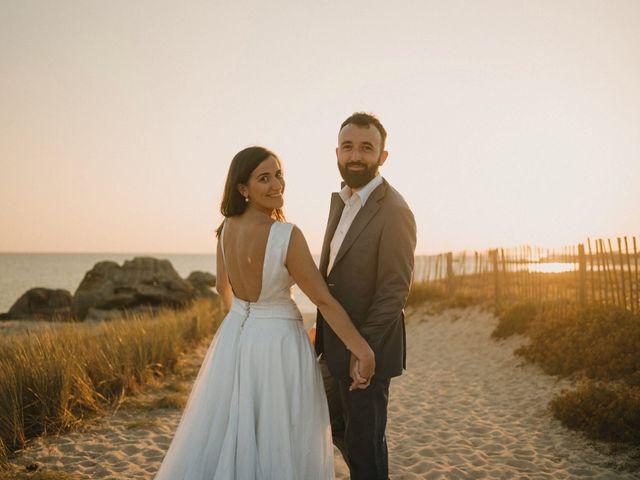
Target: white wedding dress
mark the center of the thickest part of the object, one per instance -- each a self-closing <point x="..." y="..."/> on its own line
<point x="257" y="409"/>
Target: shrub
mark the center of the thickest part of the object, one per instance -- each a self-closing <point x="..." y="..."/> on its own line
<point x="515" y="320"/>
<point x="605" y="411"/>
<point x="601" y="343"/>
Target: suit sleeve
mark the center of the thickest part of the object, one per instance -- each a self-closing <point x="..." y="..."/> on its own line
<point x="393" y="279"/>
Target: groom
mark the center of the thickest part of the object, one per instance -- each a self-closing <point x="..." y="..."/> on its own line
<point x="367" y="260"/>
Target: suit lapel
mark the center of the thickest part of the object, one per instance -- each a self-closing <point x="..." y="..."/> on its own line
<point x="363" y="217"/>
<point x="335" y="212"/>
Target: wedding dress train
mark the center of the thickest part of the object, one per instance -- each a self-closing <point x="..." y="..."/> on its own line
<point x="257" y="409"/>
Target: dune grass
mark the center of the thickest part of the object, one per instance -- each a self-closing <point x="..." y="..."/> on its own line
<point x="53" y="379"/>
<point x="424" y="292"/>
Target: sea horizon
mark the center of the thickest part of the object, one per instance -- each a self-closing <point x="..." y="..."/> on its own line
<point x="20" y="272"/>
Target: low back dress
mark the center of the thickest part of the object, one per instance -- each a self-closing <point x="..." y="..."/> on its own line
<point x="257" y="409"/>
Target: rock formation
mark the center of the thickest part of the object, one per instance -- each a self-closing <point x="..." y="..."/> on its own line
<point x="41" y="303"/>
<point x="141" y="282"/>
<point x="202" y="283"/>
<point x="108" y="289"/>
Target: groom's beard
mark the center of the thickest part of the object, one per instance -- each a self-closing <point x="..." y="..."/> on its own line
<point x="357" y="179"/>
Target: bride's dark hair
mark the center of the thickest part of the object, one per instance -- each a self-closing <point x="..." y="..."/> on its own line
<point x="240" y="170"/>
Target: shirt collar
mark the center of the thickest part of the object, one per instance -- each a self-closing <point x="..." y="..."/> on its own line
<point x="363" y="193"/>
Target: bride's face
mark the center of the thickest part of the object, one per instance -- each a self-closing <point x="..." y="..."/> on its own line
<point x="265" y="186"/>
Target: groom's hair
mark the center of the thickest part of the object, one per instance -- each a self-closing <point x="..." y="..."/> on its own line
<point x="363" y="119"/>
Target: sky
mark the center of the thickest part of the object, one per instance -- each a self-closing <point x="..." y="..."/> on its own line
<point x="509" y="122"/>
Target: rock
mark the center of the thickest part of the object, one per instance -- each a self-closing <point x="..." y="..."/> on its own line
<point x="141" y="282"/>
<point x="199" y="277"/>
<point x="202" y="283"/>
<point x="41" y="303"/>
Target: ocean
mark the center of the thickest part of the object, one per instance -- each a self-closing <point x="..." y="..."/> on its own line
<point x="21" y="271"/>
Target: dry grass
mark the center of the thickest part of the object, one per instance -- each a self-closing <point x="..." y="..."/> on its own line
<point x="177" y="387"/>
<point x="171" y="401"/>
<point x="53" y="379"/>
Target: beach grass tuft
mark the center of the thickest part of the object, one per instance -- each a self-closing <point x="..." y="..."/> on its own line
<point x="54" y="378"/>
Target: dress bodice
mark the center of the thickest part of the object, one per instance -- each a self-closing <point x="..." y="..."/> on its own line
<point x="276" y="280"/>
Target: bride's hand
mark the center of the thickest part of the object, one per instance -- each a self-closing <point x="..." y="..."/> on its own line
<point x="357" y="381"/>
<point x="367" y="363"/>
<point x="361" y="369"/>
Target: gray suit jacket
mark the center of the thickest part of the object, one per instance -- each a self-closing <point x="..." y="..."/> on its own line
<point x="371" y="277"/>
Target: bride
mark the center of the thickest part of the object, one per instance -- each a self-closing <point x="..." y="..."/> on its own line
<point x="258" y="409"/>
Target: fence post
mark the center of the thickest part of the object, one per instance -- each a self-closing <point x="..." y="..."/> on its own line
<point x="623" y="292"/>
<point x="635" y="263"/>
<point x="493" y="254"/>
<point x="632" y="304"/>
<point x="450" y="281"/>
<point x="582" y="277"/>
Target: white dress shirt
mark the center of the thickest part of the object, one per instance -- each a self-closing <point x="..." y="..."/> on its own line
<point x="352" y="205"/>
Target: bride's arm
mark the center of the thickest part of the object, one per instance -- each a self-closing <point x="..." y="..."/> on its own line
<point x="222" y="281"/>
<point x="305" y="273"/>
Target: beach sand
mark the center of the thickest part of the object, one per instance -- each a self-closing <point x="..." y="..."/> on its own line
<point x="466" y="408"/>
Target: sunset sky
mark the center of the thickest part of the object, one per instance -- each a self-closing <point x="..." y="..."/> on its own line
<point x="510" y="122"/>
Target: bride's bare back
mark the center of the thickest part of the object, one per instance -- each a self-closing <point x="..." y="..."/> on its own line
<point x="245" y="245"/>
<point x="240" y="270"/>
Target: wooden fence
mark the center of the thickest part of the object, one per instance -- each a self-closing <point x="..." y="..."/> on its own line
<point x="598" y="271"/>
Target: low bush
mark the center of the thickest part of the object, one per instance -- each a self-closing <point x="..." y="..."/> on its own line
<point x="515" y="320"/>
<point x="601" y="343"/>
<point x="604" y="411"/>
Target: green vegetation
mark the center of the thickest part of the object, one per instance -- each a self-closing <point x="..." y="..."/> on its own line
<point x="515" y="320"/>
<point x="601" y="345"/>
<point x="604" y="410"/>
<point x="53" y="379"/>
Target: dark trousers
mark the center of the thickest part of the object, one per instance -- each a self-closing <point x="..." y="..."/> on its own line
<point x="358" y="422"/>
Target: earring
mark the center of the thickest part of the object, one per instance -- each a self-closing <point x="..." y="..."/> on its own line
<point x="246" y="199"/>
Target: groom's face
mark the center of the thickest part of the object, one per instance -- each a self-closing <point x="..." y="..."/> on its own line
<point x="359" y="154"/>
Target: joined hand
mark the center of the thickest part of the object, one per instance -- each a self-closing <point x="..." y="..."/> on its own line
<point x="360" y="372"/>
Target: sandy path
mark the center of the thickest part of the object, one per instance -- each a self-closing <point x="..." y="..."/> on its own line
<point x="464" y="409"/>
